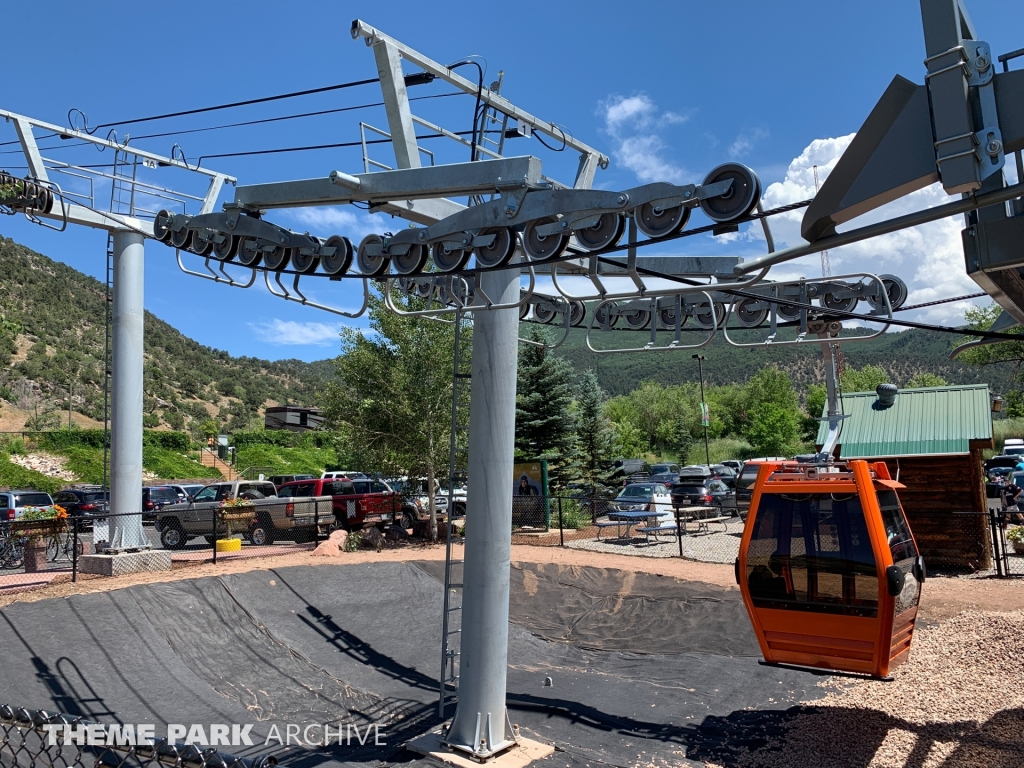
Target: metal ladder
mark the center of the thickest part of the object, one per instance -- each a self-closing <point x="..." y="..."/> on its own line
<point x="108" y="306"/>
<point x="458" y="459"/>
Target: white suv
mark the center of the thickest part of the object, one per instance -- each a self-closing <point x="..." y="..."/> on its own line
<point x="13" y="503"/>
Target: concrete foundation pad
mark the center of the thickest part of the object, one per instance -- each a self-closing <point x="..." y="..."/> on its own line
<point x="126" y="562"/>
<point x="524" y="753"/>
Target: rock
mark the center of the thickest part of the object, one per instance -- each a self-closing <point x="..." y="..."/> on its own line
<point x="371" y="538"/>
<point x="333" y="546"/>
<point x="396" y="533"/>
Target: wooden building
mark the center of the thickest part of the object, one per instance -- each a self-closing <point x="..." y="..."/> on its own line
<point x="932" y="441"/>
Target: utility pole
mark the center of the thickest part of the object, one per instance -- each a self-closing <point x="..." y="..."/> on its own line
<point x="705" y="416"/>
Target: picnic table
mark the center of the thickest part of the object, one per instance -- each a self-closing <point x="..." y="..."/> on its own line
<point x="703" y="516"/>
<point x="653" y="521"/>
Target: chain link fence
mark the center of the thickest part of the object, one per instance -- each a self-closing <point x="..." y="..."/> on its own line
<point x="40" y="553"/>
<point x="26" y="742"/>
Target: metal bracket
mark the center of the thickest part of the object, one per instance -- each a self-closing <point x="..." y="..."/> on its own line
<point x="299" y="298"/>
<point x="226" y="279"/>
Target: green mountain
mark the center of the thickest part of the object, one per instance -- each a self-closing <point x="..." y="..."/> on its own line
<point x="52" y="340"/>
<point x="903" y="355"/>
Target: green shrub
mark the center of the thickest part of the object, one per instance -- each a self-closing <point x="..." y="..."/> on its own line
<point x="150" y="420"/>
<point x="574" y="517"/>
<point x="13" y="476"/>
<point x="171" y="441"/>
<point x="352" y="542"/>
<point x="170" y="464"/>
<point x="64" y="439"/>
<point x="1004" y="428"/>
<point x="720" y="450"/>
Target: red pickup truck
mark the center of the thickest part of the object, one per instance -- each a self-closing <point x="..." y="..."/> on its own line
<point x="357" y="503"/>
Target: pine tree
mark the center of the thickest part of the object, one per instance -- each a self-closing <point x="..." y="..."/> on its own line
<point x="594" y="433"/>
<point x="545" y="422"/>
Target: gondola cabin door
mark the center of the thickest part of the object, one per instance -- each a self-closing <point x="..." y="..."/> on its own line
<point x="828" y="567"/>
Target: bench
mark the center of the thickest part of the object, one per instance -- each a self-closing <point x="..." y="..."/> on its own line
<point x="649" y="530"/>
<point x="702" y="520"/>
<point x="608" y="524"/>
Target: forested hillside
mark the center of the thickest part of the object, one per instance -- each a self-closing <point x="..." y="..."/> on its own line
<point x="52" y="340"/>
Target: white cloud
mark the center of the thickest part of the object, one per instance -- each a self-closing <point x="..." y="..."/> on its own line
<point x="291" y="333"/>
<point x="746" y="141"/>
<point x="929" y="258"/>
<point x="340" y="219"/>
<point x="633" y="123"/>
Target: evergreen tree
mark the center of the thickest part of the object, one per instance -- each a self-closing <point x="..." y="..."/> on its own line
<point x="594" y="433"/>
<point x="545" y="422"/>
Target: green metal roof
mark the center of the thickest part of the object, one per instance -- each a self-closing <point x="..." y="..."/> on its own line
<point x="922" y="422"/>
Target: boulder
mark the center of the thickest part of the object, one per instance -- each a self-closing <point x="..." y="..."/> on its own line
<point x="371" y="538"/>
<point x="396" y="533"/>
<point x="333" y="546"/>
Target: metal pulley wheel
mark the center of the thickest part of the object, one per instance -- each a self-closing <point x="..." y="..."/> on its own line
<point x="838" y="303"/>
<point x="411" y="262"/>
<point x="667" y="318"/>
<point x="423" y="289"/>
<point x="543" y="247"/>
<point x="603" y="315"/>
<point x="896" y="289"/>
<point x="741" y="198"/>
<point x="277" y="259"/>
<point x="606" y="232"/>
<point x="338" y="262"/>
<point x="524" y="308"/>
<point x="201" y="242"/>
<point x="500" y="251"/>
<point x="543" y="313"/>
<point x="637" y="319"/>
<point x="304" y="263"/>
<point x="227" y="248"/>
<point x="577" y="313"/>
<point x="453" y="260"/>
<point x="748" y="314"/>
<point x="704" y="319"/>
<point x="371" y="265"/>
<point x="788" y="312"/>
<point x="181" y="238"/>
<point x="657" y="222"/>
<point x="161" y="225"/>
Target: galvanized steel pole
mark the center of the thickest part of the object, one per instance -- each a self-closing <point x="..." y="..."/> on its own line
<point x="479" y="726"/>
<point x="126" y="393"/>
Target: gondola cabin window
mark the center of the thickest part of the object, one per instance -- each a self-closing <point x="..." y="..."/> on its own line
<point x="901" y="544"/>
<point x="811" y="552"/>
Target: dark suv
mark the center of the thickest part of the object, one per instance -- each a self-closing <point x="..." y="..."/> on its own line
<point x="712" y="493"/>
<point x="156" y="498"/>
<point x="84" y="502"/>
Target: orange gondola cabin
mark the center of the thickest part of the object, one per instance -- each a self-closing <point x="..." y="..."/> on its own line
<point x="828" y="567"/>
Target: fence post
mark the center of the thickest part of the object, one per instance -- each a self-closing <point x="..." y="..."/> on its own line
<point x="213" y="529"/>
<point x="679" y="530"/>
<point x="561" y="527"/>
<point x="74" y="549"/>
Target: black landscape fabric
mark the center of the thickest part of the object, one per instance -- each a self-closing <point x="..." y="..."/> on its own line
<point x="643" y="668"/>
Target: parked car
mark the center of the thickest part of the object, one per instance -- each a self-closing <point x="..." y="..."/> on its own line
<point x="339" y="474"/>
<point x="190" y="489"/>
<point x="356" y="503"/>
<point x="665" y="478"/>
<point x="734" y="464"/>
<point x="634" y="470"/>
<point x="705" y="471"/>
<point x="1013" y="446"/>
<point x="279" y="480"/>
<point x="86" y="501"/>
<point x="713" y="493"/>
<point x="653" y="497"/>
<point x="155" y="498"/>
<point x="746" y="480"/>
<point x="661" y="469"/>
<point x="13" y="503"/>
<point x="587" y="496"/>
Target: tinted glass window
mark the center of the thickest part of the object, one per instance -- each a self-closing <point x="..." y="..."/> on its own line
<point x="267" y="489"/>
<point x="304" y="490"/>
<point x="378" y="487"/>
<point x="639" y="491"/>
<point x="287" y="491"/>
<point x="812" y="553"/>
<point x="689" y="490"/>
<point x="361" y="486"/>
<point x="901" y="545"/>
<point x="207" y="494"/>
<point x="163" y="495"/>
<point x="32" y="500"/>
<point x="91" y="497"/>
<point x="60" y="498"/>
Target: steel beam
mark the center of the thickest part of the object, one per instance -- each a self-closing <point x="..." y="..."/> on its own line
<point x="374" y="36"/>
<point x="396" y="104"/>
<point x="480" y="177"/>
<point x="480" y="723"/>
<point x="126" y="533"/>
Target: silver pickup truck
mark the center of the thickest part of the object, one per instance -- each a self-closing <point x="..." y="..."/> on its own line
<point x="295" y="519"/>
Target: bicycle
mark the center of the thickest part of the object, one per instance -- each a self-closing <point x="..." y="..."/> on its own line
<point x="12" y="552"/>
<point x="62" y="545"/>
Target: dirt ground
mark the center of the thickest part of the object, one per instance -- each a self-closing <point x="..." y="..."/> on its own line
<point x="942" y="598"/>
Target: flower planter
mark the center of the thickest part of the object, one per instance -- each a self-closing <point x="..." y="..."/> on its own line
<point x="229" y="545"/>
<point x="38" y="529"/>
<point x="238" y="516"/>
<point x="35" y="557"/>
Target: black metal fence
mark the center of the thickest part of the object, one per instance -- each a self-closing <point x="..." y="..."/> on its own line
<point x="39" y="553"/>
<point x="40" y="739"/>
<point x="1007" y="533"/>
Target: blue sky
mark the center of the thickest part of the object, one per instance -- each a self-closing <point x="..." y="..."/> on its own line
<point x="668" y="89"/>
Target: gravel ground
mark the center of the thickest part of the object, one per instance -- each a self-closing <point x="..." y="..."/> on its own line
<point x="719" y="544"/>
<point x="958" y="701"/>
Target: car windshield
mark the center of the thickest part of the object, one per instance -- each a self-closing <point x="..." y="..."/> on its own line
<point x="163" y="494"/>
<point x="695" y="490"/>
<point x="636" y="491"/>
<point x="32" y="500"/>
<point x="207" y="494"/>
